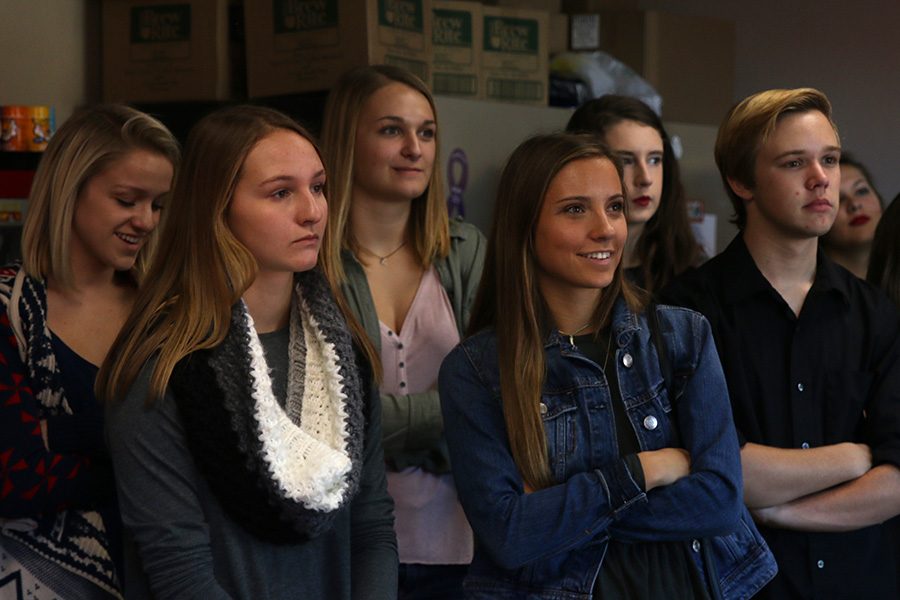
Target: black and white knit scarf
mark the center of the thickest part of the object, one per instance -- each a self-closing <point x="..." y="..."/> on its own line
<point x="282" y="472"/>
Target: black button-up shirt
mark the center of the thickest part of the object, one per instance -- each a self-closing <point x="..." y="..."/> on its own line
<point x="829" y="375"/>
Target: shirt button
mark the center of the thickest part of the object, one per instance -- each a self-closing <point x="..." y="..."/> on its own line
<point x="821" y="564"/>
<point x="402" y="364"/>
<point x="695" y="545"/>
<point x="627" y="360"/>
<point x="403" y="384"/>
<point x="543" y="409"/>
<point x="800" y="387"/>
<point x="650" y="422"/>
<point x="390" y="333"/>
<point x="805" y="445"/>
<point x="400" y="346"/>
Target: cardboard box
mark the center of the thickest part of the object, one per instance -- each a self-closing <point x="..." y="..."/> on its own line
<point x="306" y="45"/>
<point x="689" y="60"/>
<point x="558" y="33"/>
<point x="514" y="58"/>
<point x="165" y="50"/>
<point x="592" y="6"/>
<point x="551" y="6"/>
<point x="456" y="42"/>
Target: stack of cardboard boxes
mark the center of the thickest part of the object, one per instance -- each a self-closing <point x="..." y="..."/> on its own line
<point x="188" y="50"/>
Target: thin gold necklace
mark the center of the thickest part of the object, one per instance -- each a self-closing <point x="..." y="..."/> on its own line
<point x="382" y="259"/>
<point x="572" y="335"/>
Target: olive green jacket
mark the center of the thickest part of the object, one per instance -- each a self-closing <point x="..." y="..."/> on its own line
<point x="412" y="423"/>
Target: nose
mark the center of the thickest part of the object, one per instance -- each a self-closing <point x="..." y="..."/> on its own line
<point x="817" y="176"/>
<point x="642" y="178"/>
<point x="412" y="148"/>
<point x="602" y="226"/>
<point x="144" y="218"/>
<point x="311" y="209"/>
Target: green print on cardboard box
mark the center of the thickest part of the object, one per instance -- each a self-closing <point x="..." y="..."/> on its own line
<point x="161" y="23"/>
<point x="518" y="36"/>
<point x="401" y="14"/>
<point x="304" y="15"/>
<point x="452" y="28"/>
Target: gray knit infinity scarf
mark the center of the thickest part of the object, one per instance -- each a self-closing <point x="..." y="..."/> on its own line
<point x="283" y="472"/>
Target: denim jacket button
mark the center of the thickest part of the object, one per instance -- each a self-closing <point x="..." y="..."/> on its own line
<point x="695" y="545"/>
<point x="543" y="409"/>
<point x="650" y="422"/>
<point x="627" y="360"/>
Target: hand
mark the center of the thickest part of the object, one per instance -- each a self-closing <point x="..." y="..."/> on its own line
<point x="664" y="466"/>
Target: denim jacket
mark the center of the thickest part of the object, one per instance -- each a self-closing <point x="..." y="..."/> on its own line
<point x="551" y="543"/>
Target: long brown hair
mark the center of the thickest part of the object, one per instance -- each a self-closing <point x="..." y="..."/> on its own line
<point x="884" y="260"/>
<point x="201" y="269"/>
<point x="428" y="226"/>
<point x="509" y="300"/>
<point x="667" y="246"/>
<point x="84" y="146"/>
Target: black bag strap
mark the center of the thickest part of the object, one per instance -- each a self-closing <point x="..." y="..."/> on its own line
<point x="665" y="367"/>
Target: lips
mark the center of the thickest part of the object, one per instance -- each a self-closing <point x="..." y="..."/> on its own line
<point x="602" y="255"/>
<point x="128" y="239"/>
<point x="859" y="220"/>
<point x="643" y="201"/>
<point x="819" y="205"/>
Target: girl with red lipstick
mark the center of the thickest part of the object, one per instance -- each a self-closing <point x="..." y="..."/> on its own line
<point x="95" y="202"/>
<point x="410" y="277"/>
<point x="242" y="417"/>
<point x="849" y="241"/>
<point x="661" y="244"/>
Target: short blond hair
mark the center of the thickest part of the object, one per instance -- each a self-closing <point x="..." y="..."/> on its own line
<point x="82" y="147"/>
<point x="746" y="128"/>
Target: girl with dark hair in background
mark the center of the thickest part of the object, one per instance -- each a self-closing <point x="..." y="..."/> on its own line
<point x="849" y="241"/>
<point x="661" y="244"/>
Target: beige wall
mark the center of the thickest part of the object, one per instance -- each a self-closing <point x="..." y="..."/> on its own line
<point x="849" y="50"/>
<point x="45" y="47"/>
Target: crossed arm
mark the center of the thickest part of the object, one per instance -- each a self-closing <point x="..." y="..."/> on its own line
<point x="830" y="488"/>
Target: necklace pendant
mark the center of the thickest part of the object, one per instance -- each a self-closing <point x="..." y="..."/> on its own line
<point x="382" y="259"/>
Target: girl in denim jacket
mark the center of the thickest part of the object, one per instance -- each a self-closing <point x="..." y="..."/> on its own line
<point x="584" y="472"/>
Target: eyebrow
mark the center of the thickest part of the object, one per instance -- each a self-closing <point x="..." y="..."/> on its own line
<point x="396" y="119"/>
<point x="802" y="152"/>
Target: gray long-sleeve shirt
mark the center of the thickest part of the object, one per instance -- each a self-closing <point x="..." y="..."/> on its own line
<point x="180" y="542"/>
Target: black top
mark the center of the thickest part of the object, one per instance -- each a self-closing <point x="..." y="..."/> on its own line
<point x="830" y="375"/>
<point x="647" y="569"/>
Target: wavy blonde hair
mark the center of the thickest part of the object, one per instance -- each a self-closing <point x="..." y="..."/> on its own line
<point x="83" y="147"/>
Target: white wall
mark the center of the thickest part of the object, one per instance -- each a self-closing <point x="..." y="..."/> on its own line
<point x="48" y="53"/>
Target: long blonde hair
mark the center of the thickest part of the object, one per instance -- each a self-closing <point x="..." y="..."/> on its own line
<point x="428" y="225"/>
<point x="201" y="269"/>
<point x="510" y="301"/>
<point x="83" y="146"/>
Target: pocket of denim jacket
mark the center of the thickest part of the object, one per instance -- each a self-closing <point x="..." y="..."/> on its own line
<point x="559" y="412"/>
